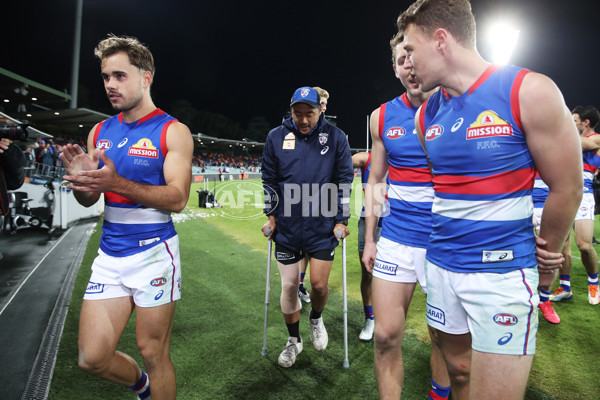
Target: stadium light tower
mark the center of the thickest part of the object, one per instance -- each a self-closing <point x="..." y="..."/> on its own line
<point x="503" y="39"/>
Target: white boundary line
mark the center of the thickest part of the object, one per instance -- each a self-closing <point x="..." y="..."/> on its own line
<point x="18" y="288"/>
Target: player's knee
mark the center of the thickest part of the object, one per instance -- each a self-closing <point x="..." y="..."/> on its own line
<point x="459" y="371"/>
<point x="386" y="339"/>
<point x="153" y="352"/>
<point x="290" y="287"/>
<point x="585" y="247"/>
<point x="320" y="287"/>
<point x="92" y="363"/>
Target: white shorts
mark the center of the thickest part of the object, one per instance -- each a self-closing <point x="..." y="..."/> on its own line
<point x="152" y="277"/>
<point x="586" y="208"/>
<point x="500" y="310"/>
<point x="397" y="262"/>
<point x="361" y="234"/>
<point x="537" y="214"/>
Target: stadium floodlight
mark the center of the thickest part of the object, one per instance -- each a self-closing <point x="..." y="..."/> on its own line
<point x="503" y="39"/>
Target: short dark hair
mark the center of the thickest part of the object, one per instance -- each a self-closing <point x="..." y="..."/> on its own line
<point x="588" y="112"/>
<point x="455" y="16"/>
<point x="139" y="55"/>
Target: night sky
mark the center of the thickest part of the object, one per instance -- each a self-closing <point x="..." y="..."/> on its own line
<point x="244" y="59"/>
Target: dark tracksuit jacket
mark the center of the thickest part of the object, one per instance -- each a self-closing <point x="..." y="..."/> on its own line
<point x="307" y="181"/>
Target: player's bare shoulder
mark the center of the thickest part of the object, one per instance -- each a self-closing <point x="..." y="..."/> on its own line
<point x="179" y="137"/>
<point x="539" y="89"/>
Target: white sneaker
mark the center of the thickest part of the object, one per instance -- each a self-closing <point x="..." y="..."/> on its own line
<point x="287" y="358"/>
<point x="304" y="295"/>
<point x="366" y="334"/>
<point x="318" y="334"/>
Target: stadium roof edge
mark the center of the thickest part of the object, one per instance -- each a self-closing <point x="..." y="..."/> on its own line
<point x="31" y="83"/>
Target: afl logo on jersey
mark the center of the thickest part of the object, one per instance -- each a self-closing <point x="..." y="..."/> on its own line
<point x="434" y="132"/>
<point x="104" y="144"/>
<point x="395" y="132"/>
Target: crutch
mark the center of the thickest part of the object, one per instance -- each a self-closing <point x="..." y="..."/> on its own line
<point x="264" y="348"/>
<point x="345" y="296"/>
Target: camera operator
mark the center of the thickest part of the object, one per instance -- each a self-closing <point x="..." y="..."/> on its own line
<point x="12" y="172"/>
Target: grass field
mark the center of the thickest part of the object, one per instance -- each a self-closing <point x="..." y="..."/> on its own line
<point x="218" y="329"/>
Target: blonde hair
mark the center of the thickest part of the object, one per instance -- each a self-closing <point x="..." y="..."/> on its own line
<point x="324" y="94"/>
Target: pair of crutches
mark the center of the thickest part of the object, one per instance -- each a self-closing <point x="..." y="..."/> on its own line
<point x="339" y="234"/>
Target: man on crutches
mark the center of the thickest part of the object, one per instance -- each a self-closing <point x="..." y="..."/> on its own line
<point x="307" y="176"/>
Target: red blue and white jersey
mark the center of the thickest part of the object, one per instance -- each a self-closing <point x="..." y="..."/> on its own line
<point x="410" y="189"/>
<point x="138" y="151"/>
<point x="540" y="192"/>
<point x="483" y="176"/>
<point x="591" y="162"/>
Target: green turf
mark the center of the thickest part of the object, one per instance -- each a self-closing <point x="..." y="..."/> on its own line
<point x="218" y="329"/>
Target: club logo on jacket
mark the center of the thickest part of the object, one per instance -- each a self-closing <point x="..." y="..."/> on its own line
<point x="489" y="124"/>
<point x="289" y="141"/>
<point x="104" y="144"/>
<point x="143" y="148"/>
<point x="323" y="138"/>
<point x="395" y="132"/>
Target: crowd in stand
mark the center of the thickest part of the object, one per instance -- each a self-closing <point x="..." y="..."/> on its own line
<point x="206" y="159"/>
<point x="45" y="151"/>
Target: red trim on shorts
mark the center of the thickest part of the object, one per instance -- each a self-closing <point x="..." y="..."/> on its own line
<point x="531" y="309"/>
<point x="173" y="283"/>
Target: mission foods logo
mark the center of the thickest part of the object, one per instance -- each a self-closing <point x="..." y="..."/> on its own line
<point x="489" y="124"/>
<point x="143" y="148"/>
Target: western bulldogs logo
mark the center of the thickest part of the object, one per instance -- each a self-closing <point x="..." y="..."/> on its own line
<point x="434" y="132"/>
<point x="395" y="132"/>
<point x="304" y="92"/>
<point x="104" y="144"/>
<point x="323" y="138"/>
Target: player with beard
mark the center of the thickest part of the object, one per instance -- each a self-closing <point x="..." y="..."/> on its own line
<point x="140" y="160"/>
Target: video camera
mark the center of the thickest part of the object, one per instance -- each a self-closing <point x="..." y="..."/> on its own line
<point x="14" y="131"/>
